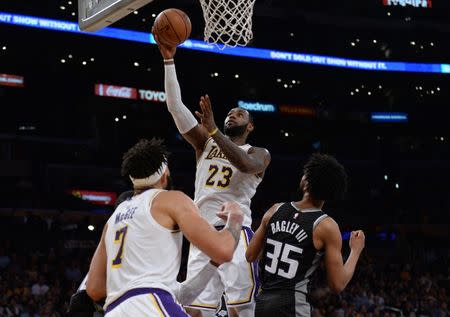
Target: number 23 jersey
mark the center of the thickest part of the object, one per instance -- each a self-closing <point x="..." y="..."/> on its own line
<point x="218" y="181"/>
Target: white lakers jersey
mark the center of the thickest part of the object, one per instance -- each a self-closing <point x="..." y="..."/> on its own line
<point x="140" y="252"/>
<point x="218" y="181"/>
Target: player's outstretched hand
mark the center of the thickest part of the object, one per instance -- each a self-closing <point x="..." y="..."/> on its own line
<point x="357" y="241"/>
<point x="207" y="115"/>
<point x="167" y="51"/>
<point x="231" y="210"/>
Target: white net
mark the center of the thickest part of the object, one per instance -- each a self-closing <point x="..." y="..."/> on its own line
<point x="228" y="22"/>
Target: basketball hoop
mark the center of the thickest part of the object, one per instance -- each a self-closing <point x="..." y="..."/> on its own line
<point x="228" y="22"/>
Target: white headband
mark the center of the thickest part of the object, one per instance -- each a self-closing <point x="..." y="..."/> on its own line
<point x="152" y="179"/>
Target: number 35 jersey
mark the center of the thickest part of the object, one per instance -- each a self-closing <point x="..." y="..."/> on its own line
<point x="218" y="181"/>
<point x="289" y="257"/>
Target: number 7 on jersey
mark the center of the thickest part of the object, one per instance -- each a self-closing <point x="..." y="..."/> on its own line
<point x="119" y="238"/>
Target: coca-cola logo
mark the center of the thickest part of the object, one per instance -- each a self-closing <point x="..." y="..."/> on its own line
<point x="123" y="92"/>
<point x="115" y="91"/>
<point x="129" y="93"/>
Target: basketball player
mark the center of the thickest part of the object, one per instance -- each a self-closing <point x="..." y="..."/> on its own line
<point x="137" y="261"/>
<point x="227" y="169"/>
<point x="81" y="305"/>
<point x="293" y="237"/>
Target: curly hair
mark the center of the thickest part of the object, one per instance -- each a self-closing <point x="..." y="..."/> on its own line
<point x="144" y="158"/>
<point x="326" y="177"/>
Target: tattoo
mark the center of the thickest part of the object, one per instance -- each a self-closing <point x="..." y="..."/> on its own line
<point x="234" y="228"/>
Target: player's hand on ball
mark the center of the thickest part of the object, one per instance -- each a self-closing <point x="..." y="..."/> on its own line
<point x="167" y="51"/>
<point x="357" y="241"/>
<point x="231" y="210"/>
<point x="207" y="115"/>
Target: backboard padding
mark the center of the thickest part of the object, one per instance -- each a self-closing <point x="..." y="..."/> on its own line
<point x="94" y="15"/>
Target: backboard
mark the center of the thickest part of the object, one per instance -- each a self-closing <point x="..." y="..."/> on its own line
<point x="94" y="15"/>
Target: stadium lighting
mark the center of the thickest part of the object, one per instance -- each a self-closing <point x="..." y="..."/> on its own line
<point x="91" y="228"/>
<point x="386" y="177"/>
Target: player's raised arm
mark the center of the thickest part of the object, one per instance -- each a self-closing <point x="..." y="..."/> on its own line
<point x="217" y="245"/>
<point x="256" y="245"/>
<point x="185" y="121"/>
<point x="255" y="161"/>
<point x="339" y="274"/>
<point x="96" y="281"/>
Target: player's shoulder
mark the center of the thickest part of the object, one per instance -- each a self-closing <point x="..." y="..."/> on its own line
<point x="171" y="196"/>
<point x="328" y="227"/>
<point x="173" y="200"/>
<point x="271" y="211"/>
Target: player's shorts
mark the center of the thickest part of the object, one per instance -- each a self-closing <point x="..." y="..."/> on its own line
<point x="282" y="303"/>
<point x="238" y="278"/>
<point x="145" y="302"/>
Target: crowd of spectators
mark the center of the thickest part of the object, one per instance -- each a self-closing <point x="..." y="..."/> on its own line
<point x="387" y="290"/>
<point x="42" y="265"/>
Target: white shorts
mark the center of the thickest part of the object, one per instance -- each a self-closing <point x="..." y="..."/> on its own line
<point x="145" y="302"/>
<point x="238" y="278"/>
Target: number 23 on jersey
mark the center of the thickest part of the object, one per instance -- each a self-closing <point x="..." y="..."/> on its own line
<point x="222" y="180"/>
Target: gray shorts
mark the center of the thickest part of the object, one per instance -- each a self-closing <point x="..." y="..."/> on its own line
<point x="282" y="303"/>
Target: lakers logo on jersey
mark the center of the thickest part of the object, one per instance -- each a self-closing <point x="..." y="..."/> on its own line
<point x="215" y="152"/>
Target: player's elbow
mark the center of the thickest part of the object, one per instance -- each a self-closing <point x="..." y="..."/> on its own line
<point x="94" y="292"/>
<point x="223" y="255"/>
<point x="336" y="287"/>
<point x="249" y="256"/>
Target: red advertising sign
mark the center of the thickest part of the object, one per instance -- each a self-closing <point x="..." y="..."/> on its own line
<point x="115" y="91"/>
<point x="98" y="198"/>
<point x="11" y="80"/>
<point x="297" y="110"/>
<point x="129" y="93"/>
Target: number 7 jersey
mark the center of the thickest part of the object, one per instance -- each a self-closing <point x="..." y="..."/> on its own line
<point x="218" y="181"/>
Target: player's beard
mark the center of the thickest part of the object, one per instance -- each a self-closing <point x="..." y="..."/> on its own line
<point x="235" y="131"/>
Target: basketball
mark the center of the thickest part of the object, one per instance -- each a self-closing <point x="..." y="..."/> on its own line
<point x="173" y="26"/>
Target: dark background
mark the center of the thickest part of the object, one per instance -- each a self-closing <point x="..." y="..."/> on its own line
<point x="56" y="135"/>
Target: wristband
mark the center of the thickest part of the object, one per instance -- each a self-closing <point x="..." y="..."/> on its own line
<point x="213" y="132"/>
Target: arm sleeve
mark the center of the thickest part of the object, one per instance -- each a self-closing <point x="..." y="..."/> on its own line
<point x="183" y="117"/>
